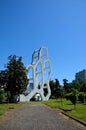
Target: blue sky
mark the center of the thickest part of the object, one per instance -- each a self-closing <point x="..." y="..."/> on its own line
<point x="60" y="25"/>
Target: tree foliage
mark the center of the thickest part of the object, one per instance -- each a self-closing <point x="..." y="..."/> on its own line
<point x="16" y="77"/>
<point x="55" y="89"/>
<point x="81" y="97"/>
<point x="66" y="86"/>
<point x="72" y="97"/>
<point x="83" y="86"/>
<point x="2" y="78"/>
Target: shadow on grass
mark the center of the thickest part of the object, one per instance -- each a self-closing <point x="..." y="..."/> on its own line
<point x="11" y="108"/>
<point x="57" y="101"/>
<point x="66" y="110"/>
<point x="69" y="104"/>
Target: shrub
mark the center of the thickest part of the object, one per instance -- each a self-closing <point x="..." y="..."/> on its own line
<point x="2" y="96"/>
<point x="68" y="96"/>
<point x="81" y="97"/>
<point x="72" y="97"/>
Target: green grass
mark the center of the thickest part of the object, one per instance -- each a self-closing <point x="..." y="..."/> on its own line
<point x="80" y="112"/>
<point x="68" y="107"/>
<point x="4" y="107"/>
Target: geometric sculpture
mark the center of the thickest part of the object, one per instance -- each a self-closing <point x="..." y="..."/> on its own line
<point x="38" y="73"/>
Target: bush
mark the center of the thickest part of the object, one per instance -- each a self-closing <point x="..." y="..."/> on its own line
<point x="72" y="97"/>
<point x="2" y="96"/>
<point x="81" y="97"/>
<point x="68" y="96"/>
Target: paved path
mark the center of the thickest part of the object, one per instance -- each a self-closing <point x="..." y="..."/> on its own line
<point x="37" y="117"/>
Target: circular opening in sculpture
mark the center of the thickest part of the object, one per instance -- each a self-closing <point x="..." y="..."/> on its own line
<point x="38" y="97"/>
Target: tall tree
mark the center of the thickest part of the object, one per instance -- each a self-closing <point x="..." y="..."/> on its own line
<point x="66" y="85"/>
<point x="2" y="78"/>
<point x="55" y="88"/>
<point x="57" y="83"/>
<point x="58" y="88"/>
<point x="16" y="77"/>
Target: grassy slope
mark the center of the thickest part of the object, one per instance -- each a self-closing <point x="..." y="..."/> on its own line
<point x="80" y="111"/>
<point x="4" y="107"/>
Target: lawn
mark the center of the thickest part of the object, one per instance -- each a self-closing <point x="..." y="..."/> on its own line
<point x="4" y="107"/>
<point x="80" y="111"/>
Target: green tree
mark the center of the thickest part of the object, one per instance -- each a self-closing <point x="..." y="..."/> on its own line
<point x="75" y="85"/>
<point x="57" y="83"/>
<point x="66" y="86"/>
<point x="59" y="89"/>
<point x="16" y="77"/>
<point x="81" y="97"/>
<point x="55" y="89"/>
<point x="83" y="86"/>
<point x="72" y="97"/>
<point x="2" y="78"/>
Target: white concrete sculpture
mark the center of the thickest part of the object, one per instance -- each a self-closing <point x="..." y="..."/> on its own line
<point x="39" y="76"/>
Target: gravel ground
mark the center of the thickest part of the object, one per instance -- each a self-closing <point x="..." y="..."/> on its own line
<point x="37" y="117"/>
